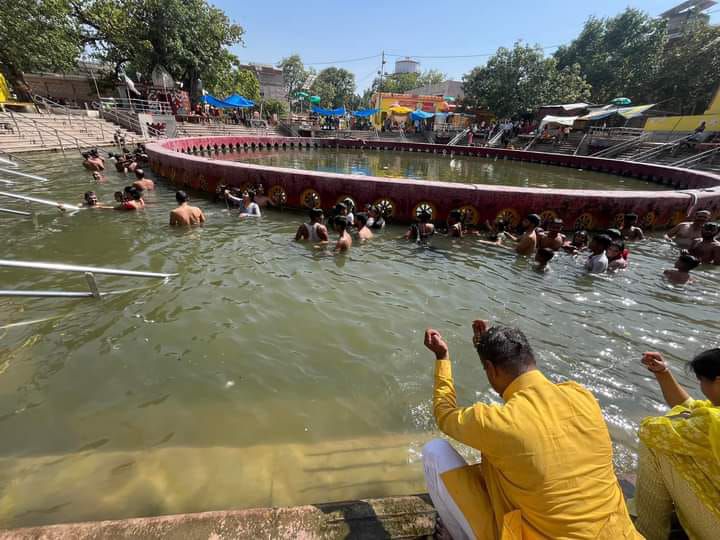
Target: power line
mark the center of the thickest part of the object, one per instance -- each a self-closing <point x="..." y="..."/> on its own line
<point x="342" y="61"/>
<point x="463" y="55"/>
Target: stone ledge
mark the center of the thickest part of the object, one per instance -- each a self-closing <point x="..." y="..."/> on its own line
<point x="390" y="517"/>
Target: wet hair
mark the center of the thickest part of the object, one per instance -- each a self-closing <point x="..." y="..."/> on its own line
<point x="557" y="221"/>
<point x="711" y="227"/>
<point x="349" y="204"/>
<point x="86" y="155"/>
<point x="250" y="194"/>
<point x="316" y="213"/>
<point x="425" y="216"/>
<point x="506" y="348"/>
<point x="603" y="240"/>
<point x="89" y="195"/>
<point x="119" y="196"/>
<point x="630" y="219"/>
<point x="361" y="218"/>
<point x="501" y="225"/>
<point x="582" y="233"/>
<point x="139" y="173"/>
<point x="614" y="234"/>
<point x="534" y="219"/>
<point x="688" y="261"/>
<point x="181" y="197"/>
<point x="545" y="254"/>
<point x="128" y="189"/>
<point x="706" y="365"/>
<point x="456" y="215"/>
<point x="620" y="245"/>
<point x="341" y="221"/>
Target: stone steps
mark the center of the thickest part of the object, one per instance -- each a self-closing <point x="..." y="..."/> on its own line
<point x="98" y="484"/>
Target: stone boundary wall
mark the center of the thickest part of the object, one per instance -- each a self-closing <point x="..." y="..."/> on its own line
<point x="202" y="164"/>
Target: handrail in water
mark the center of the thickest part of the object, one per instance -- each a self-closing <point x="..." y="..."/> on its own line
<point x="83" y="269"/>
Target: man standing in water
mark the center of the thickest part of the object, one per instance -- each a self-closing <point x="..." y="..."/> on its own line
<point x="141" y="183"/>
<point x="363" y="232"/>
<point x="185" y="215"/>
<point x="707" y="249"/>
<point x="553" y="238"/>
<point x="547" y="459"/>
<point x="597" y="263"/>
<point x="686" y="232"/>
<point x="314" y="231"/>
<point x="344" y="241"/>
<point x="527" y="243"/>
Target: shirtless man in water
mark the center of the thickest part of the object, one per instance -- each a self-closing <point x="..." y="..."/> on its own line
<point x="686" y="232"/>
<point x="363" y="232"/>
<point x="185" y="214"/>
<point x="553" y="238"/>
<point x="344" y="241"/>
<point x="527" y="243"/>
<point x="707" y="249"/>
<point x="142" y="183"/>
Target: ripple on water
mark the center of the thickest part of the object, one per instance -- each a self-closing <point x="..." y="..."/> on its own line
<point x="260" y="341"/>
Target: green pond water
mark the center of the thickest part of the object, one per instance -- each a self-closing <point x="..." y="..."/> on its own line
<point x="421" y="166"/>
<point x="268" y="373"/>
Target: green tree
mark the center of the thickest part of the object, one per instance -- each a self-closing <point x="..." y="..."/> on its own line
<point x="619" y="56"/>
<point x="335" y="86"/>
<point x="237" y="81"/>
<point x="399" y="83"/>
<point x="273" y="106"/>
<point x="686" y="80"/>
<point x="36" y="35"/>
<point x="189" y="38"/>
<point x="294" y="74"/>
<point x="522" y="79"/>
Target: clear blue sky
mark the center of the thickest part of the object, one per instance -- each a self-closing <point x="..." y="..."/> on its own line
<point x="326" y="32"/>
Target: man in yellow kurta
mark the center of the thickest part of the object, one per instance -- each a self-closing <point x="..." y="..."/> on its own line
<point x="547" y="469"/>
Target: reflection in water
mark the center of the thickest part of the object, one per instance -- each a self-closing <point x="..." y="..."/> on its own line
<point x="267" y="373"/>
<point x="450" y="168"/>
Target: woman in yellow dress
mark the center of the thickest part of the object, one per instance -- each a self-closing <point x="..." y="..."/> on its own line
<point x="679" y="466"/>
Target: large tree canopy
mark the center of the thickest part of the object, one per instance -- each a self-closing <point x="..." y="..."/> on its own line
<point x="619" y="56"/>
<point x="236" y="81"/>
<point x="400" y="83"/>
<point x="294" y="74"/>
<point x="518" y="80"/>
<point x="36" y="35"/>
<point x="335" y="86"/>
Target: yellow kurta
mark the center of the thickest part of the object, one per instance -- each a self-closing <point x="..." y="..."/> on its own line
<point x="546" y="470"/>
<point x="689" y="436"/>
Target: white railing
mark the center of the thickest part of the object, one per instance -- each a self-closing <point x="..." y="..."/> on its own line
<point x="624" y="145"/>
<point x="661" y="148"/>
<point x="615" y="132"/>
<point x="459" y="137"/>
<point x="88" y="271"/>
<point x="691" y="161"/>
<point x="136" y="105"/>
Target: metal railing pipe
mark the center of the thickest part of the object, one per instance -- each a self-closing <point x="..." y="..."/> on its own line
<point x="81" y="269"/>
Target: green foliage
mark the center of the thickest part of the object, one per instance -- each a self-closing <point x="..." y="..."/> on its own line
<point x="335" y="86"/>
<point x="620" y="56"/>
<point x="400" y="83"/>
<point x="687" y="79"/>
<point x="189" y="38"/>
<point x="236" y="81"/>
<point x="36" y="35"/>
<point x="520" y="80"/>
<point x="294" y="74"/>
<point x="273" y="106"/>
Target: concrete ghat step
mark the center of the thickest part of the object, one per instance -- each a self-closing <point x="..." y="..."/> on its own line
<point x="387" y="518"/>
<point x="94" y="485"/>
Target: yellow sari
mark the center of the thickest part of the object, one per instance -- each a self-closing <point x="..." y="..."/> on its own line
<point x="689" y="436"/>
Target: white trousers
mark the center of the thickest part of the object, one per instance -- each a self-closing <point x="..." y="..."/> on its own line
<point x="438" y="457"/>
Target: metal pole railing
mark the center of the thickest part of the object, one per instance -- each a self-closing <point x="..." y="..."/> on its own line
<point x="81" y="269"/>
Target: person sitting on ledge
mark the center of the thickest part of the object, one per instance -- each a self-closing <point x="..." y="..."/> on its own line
<point x="679" y="458"/>
<point x="707" y="248"/>
<point x="185" y="214"/>
<point x="547" y="459"/>
<point x="681" y="273"/>
<point x="527" y="243"/>
<point x="314" y="231"/>
<point x="630" y="231"/>
<point x="141" y="183"/>
<point x="685" y="233"/>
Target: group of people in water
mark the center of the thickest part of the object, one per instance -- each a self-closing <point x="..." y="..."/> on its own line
<point x="607" y="251"/>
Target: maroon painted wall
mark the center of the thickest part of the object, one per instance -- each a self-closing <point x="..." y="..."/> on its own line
<point x="586" y="208"/>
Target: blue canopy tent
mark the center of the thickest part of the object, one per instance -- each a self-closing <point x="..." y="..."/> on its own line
<point x="215" y="102"/>
<point x="240" y="102"/>
<point x="421" y="115"/>
<point x="329" y="112"/>
<point x="365" y="113"/>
